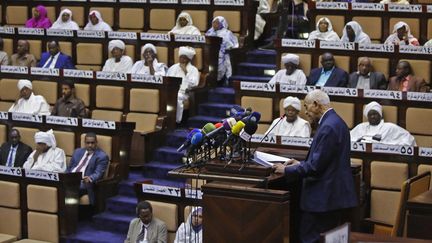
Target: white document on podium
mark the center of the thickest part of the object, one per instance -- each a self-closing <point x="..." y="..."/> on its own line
<point x="267" y="160"/>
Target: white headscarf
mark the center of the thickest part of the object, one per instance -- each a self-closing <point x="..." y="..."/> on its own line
<point x="187" y="51"/>
<point x="372" y="106"/>
<point x="188" y="29"/>
<point x="47" y="138"/>
<point x="394" y="39"/>
<point x="360" y="36"/>
<point x="292" y="101"/>
<point x="101" y="25"/>
<point x="116" y="43"/>
<point x="146" y="46"/>
<point x="24" y="83"/>
<point x="68" y="25"/>
<point x="292" y="58"/>
<point x="330" y="35"/>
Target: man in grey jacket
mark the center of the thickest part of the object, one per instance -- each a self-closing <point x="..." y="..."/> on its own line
<point x="365" y="78"/>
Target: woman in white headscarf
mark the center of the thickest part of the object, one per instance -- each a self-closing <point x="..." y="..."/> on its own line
<point x="118" y="62"/>
<point x="291" y="75"/>
<point x="402" y="35"/>
<point x="65" y="22"/>
<point x="149" y="64"/>
<point x="324" y="31"/>
<point x="229" y="41"/>
<point x="353" y="32"/>
<point x="189" y="74"/>
<point x="96" y="22"/>
<point x="191" y="230"/>
<point x="184" y="25"/>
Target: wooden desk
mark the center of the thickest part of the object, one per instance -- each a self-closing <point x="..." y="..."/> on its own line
<point x="362" y="237"/>
<point x="419" y="217"/>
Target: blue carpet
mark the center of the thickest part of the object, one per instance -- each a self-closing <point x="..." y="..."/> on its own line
<point x="255" y="69"/>
<point x="88" y="234"/>
<point x="214" y="109"/>
<point x="261" y="56"/>
<point x="251" y="78"/>
<point x="222" y="95"/>
<point x="113" y="222"/>
<point x="167" y="155"/>
<point x="199" y="121"/>
<point x="176" y="137"/>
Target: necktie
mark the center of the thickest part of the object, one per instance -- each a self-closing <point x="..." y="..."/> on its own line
<point x="48" y="64"/>
<point x="84" y="162"/>
<point x="10" y="161"/>
<point x="141" y="235"/>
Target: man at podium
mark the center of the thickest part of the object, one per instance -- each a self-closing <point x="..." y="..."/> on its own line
<point x="328" y="186"/>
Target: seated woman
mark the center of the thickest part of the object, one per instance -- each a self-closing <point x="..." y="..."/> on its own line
<point x="191" y="230"/>
<point x="229" y="41"/>
<point x="65" y="22"/>
<point x="184" y="26"/>
<point x="291" y="75"/>
<point x="149" y="64"/>
<point x="40" y="19"/>
<point x="96" y="22"/>
<point x="402" y="35"/>
<point x="324" y="31"/>
<point x="188" y="72"/>
<point x="353" y="32"/>
<point x="119" y="62"/>
<point x="400" y="2"/>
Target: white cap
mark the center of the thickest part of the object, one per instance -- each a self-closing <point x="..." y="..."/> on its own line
<point x="372" y="106"/>
<point x="46" y="138"/>
<point x="187" y="51"/>
<point x="146" y="46"/>
<point x="24" y="83"/>
<point x="116" y="43"/>
<point x="292" y="101"/>
<point x="292" y="58"/>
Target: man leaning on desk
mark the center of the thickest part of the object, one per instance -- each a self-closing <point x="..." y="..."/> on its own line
<point x="328" y="186"/>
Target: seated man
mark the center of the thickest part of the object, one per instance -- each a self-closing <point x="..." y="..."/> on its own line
<point x="28" y="102"/>
<point x="92" y="162"/>
<point x="146" y="228"/>
<point x="365" y="78"/>
<point x="292" y="125"/>
<point x="291" y="74"/>
<point x="54" y="58"/>
<point x="329" y="74"/>
<point x="23" y="57"/>
<point x="405" y="81"/>
<point x="69" y="105"/>
<point x="375" y="130"/>
<point x="46" y="156"/>
<point x="14" y="152"/>
<point x="188" y="72"/>
<point x="118" y="62"/>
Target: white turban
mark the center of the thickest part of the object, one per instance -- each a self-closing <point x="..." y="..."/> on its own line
<point x="46" y="138"/>
<point x="116" y="43"/>
<point x="372" y="106"/>
<point x="147" y="46"/>
<point x="292" y="58"/>
<point x="24" y="83"/>
<point x="187" y="51"/>
<point x="292" y="101"/>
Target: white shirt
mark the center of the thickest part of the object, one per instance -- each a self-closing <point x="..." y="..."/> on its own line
<point x="390" y="134"/>
<point x="298" y="128"/>
<point x="190" y="80"/>
<point x="53" y="63"/>
<point x="83" y="169"/>
<point x="140" y="68"/>
<point x="35" y="104"/>
<point x="54" y="160"/>
<point x="123" y="66"/>
<point x="297" y="78"/>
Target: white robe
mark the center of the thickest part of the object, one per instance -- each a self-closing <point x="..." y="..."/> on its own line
<point x="189" y="29"/>
<point x="297" y="78"/>
<point x="298" y="128"/>
<point x="35" y="105"/>
<point x="54" y="160"/>
<point x="68" y="25"/>
<point x="400" y="2"/>
<point x="124" y="66"/>
<point x="185" y="233"/>
<point x="140" y="68"/>
<point x="190" y="80"/>
<point x="330" y="35"/>
<point x="390" y="133"/>
<point x="360" y="36"/>
<point x="260" y="23"/>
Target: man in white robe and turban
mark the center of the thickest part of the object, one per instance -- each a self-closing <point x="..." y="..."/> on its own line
<point x="118" y="62"/>
<point x="149" y="64"/>
<point x="375" y="130"/>
<point x="189" y="73"/>
<point x="46" y="156"/>
<point x="291" y="125"/>
<point x="291" y="75"/>
<point x="28" y="102"/>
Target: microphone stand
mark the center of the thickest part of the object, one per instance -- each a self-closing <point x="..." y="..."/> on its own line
<point x="265" y="136"/>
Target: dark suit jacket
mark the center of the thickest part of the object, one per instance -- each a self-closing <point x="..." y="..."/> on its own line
<point x="327" y="179"/>
<point x="95" y="169"/>
<point x="415" y="84"/>
<point x="21" y="155"/>
<point x="338" y="78"/>
<point x="63" y="61"/>
<point x="376" y="80"/>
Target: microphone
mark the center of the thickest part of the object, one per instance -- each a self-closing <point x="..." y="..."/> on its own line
<point x="249" y="130"/>
<point x="271" y="129"/>
<point x="187" y="142"/>
<point x="254" y="116"/>
<point x="234" y="132"/>
<point x="196" y="142"/>
<point x="227" y="125"/>
<point x="234" y="109"/>
<point x="377" y="137"/>
<point x="207" y="128"/>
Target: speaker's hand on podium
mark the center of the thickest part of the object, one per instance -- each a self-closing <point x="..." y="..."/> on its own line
<point x="279" y="168"/>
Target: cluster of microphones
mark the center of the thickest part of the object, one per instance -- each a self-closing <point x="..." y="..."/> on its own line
<point x="226" y="140"/>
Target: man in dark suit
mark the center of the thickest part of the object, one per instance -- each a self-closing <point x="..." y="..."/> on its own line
<point x="406" y="81"/>
<point x="54" y="58"/>
<point x="92" y="162"/>
<point x="328" y="186"/>
<point x="14" y="153"/>
<point x="365" y="78"/>
<point x="329" y="74"/>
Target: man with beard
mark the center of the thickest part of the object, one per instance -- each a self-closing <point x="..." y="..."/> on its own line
<point x="69" y="105"/>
